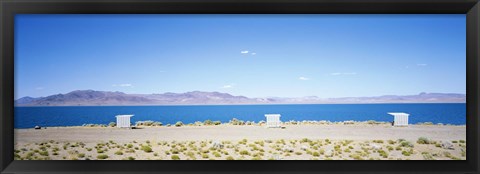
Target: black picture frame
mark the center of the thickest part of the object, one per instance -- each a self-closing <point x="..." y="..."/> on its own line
<point x="9" y="8"/>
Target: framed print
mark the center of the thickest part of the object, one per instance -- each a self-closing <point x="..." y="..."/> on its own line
<point x="279" y="86"/>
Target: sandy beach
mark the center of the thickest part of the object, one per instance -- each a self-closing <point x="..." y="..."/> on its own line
<point x="235" y="133"/>
<point x="336" y="142"/>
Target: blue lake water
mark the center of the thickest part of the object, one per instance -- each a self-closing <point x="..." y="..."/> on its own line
<point x="28" y="117"/>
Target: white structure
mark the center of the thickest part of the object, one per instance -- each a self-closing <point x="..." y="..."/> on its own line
<point x="273" y="120"/>
<point x="123" y="120"/>
<point x="400" y="118"/>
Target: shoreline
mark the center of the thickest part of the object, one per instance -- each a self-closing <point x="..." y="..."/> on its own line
<point x="235" y="121"/>
<point x="237" y="132"/>
<point x="240" y="104"/>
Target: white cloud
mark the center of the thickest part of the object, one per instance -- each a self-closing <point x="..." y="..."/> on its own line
<point x="228" y="86"/>
<point x="123" y="85"/>
<point x="39" y="88"/>
<point x="421" y="64"/>
<point x="244" y="52"/>
<point x="253" y="54"/>
<point x="303" y="78"/>
<point x="343" y="73"/>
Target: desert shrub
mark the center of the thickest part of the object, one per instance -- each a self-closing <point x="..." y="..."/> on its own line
<point x="423" y="140"/>
<point x="235" y="121"/>
<point x="81" y="155"/>
<point x="175" y="157"/>
<point x="461" y="141"/>
<point x="43" y="153"/>
<point x="205" y="156"/>
<point x="216" y="154"/>
<point x="316" y="154"/>
<point x="29" y="155"/>
<point x="191" y="154"/>
<point x="405" y="153"/>
<point x="208" y="122"/>
<point x="454" y="141"/>
<point x="406" y="144"/>
<point x="42" y="148"/>
<point x="390" y="148"/>
<point x="147" y="149"/>
<point x="391" y="142"/>
<point x="244" y="142"/>
<point x="244" y="152"/>
<point x="217" y="123"/>
<point x="118" y="153"/>
<point x="175" y="151"/>
<point x="148" y="123"/>
<point x="378" y="141"/>
<point x="230" y="158"/>
<point x="129" y="158"/>
<point x="100" y="151"/>
<point x="112" y="124"/>
<point x="103" y="156"/>
<point x="178" y="124"/>
<point x="261" y="143"/>
<point x="427" y="156"/>
<point x="383" y="153"/>
<point x="305" y="140"/>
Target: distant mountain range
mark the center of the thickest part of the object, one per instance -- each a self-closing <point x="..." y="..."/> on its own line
<point x="105" y="98"/>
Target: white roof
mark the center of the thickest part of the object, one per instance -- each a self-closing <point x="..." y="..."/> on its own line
<point x="124" y="116"/>
<point x="398" y="114"/>
<point x="266" y="115"/>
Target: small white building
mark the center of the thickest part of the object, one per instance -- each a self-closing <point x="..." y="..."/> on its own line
<point x="400" y="118"/>
<point x="273" y="120"/>
<point x="123" y="121"/>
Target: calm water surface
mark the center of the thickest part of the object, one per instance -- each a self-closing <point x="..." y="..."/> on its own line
<point x="28" y="117"/>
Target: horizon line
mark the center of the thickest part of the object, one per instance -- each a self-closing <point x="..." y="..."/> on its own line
<point x="247" y="96"/>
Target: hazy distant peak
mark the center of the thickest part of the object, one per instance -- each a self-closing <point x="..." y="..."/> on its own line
<point x="94" y="98"/>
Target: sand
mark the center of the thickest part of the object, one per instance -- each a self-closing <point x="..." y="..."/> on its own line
<point x="294" y="142"/>
<point x="230" y="132"/>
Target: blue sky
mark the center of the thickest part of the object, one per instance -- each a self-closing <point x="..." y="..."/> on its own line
<point x="250" y="55"/>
